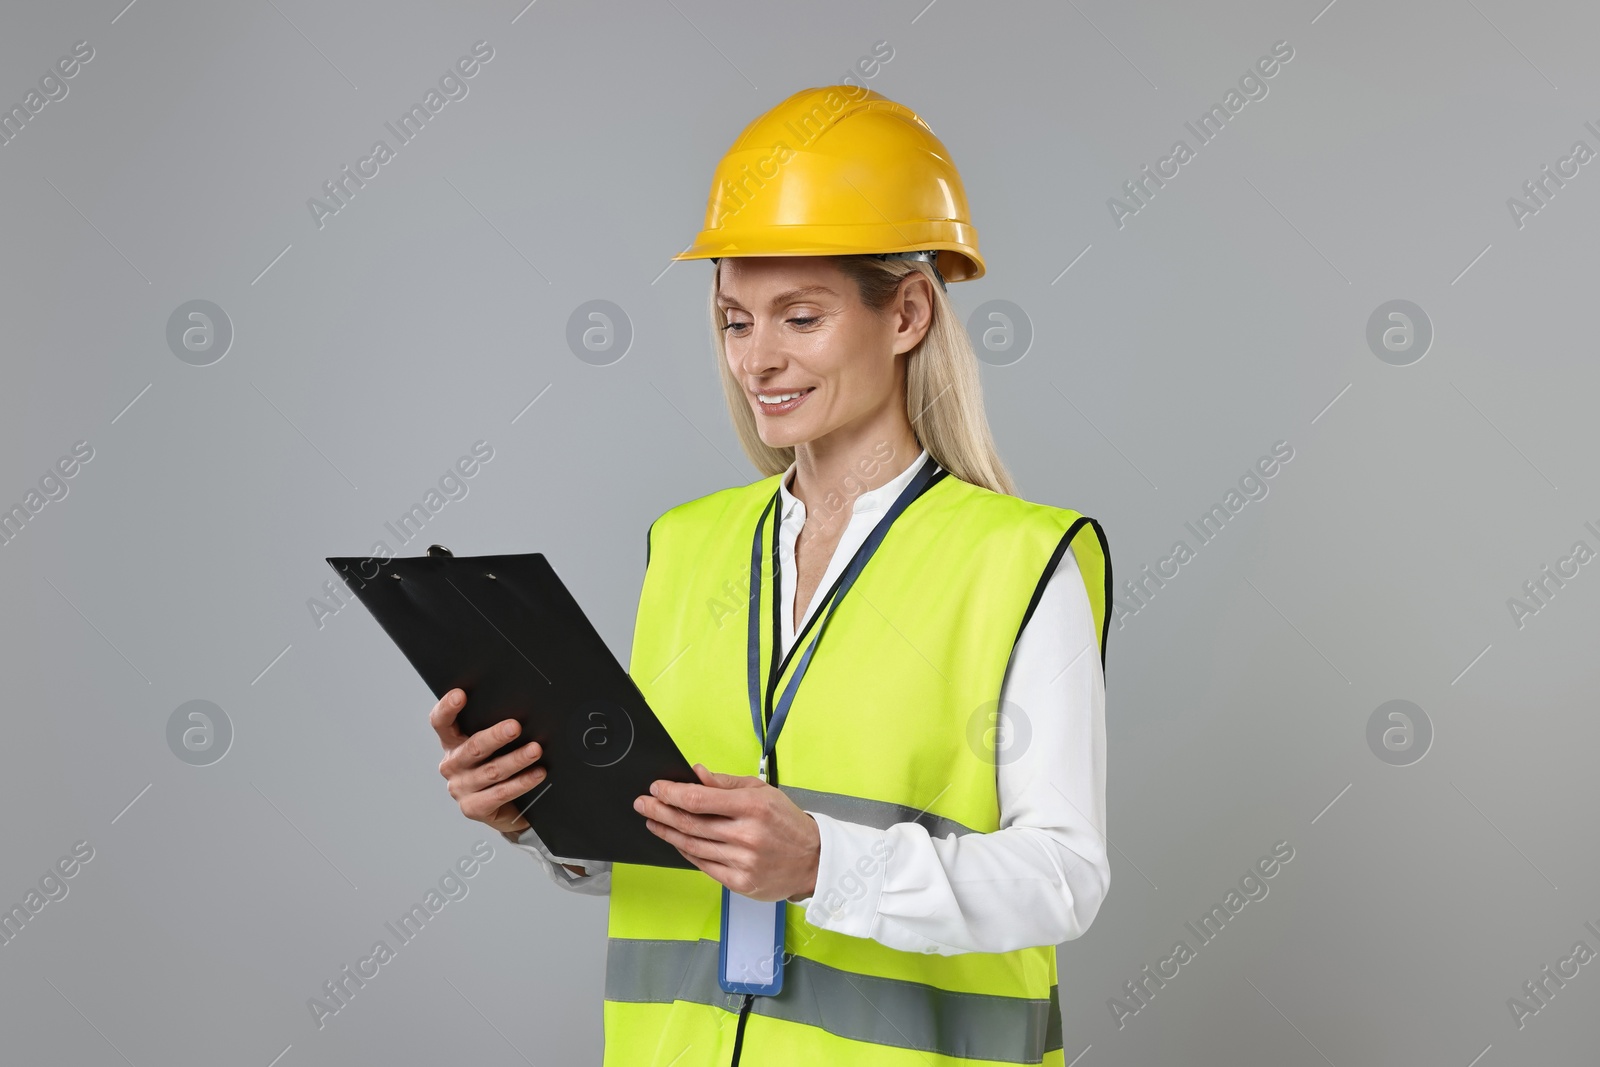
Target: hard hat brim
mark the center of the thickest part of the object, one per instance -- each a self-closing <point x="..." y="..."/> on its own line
<point x="963" y="264"/>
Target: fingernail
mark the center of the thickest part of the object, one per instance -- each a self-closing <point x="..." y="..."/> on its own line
<point x="655" y="790"/>
<point x="512" y="729"/>
<point x="638" y="804"/>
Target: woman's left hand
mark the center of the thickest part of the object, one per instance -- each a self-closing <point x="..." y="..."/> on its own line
<point x="739" y="830"/>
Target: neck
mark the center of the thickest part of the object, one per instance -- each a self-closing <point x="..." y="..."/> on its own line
<point x="850" y="460"/>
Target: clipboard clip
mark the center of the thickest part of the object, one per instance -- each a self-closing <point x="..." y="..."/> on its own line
<point x="440" y="550"/>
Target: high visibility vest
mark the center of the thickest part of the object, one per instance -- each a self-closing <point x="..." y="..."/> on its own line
<point x="892" y="723"/>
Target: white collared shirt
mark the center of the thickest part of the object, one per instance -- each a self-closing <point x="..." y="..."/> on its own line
<point x="1041" y="877"/>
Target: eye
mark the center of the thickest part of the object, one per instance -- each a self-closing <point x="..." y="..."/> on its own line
<point x="798" y="321"/>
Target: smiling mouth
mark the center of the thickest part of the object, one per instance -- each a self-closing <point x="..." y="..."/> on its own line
<point x="782" y="403"/>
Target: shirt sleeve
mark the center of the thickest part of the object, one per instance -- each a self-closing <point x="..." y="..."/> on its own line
<point x="1040" y="878"/>
<point x="597" y="882"/>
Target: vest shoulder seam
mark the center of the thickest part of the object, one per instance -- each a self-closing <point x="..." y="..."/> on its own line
<point x="718" y="501"/>
<point x="1020" y="506"/>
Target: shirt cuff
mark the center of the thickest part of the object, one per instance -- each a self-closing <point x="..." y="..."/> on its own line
<point x="529" y="841"/>
<point x="851" y="869"/>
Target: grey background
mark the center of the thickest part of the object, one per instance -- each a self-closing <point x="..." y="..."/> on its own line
<point x="1228" y="314"/>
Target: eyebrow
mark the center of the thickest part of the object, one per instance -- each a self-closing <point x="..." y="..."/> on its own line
<point x="788" y="296"/>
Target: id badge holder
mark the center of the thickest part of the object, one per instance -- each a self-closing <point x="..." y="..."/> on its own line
<point x="750" y="958"/>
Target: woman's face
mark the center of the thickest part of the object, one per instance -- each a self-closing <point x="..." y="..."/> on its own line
<point x="796" y="324"/>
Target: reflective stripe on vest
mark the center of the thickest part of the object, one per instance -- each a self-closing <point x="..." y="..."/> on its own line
<point x="893" y="724"/>
<point x="878" y="814"/>
<point x="880" y="1011"/>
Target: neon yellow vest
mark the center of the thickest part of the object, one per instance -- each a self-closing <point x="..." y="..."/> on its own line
<point x="888" y="726"/>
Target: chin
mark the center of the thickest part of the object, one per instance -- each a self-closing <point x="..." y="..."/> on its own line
<point x="779" y="436"/>
<point x="779" y="440"/>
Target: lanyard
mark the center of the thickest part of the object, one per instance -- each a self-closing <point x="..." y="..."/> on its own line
<point x="769" y="736"/>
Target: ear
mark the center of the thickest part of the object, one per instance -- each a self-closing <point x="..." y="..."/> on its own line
<point x="913" y="310"/>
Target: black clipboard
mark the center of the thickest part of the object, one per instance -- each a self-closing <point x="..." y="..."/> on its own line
<point x="506" y="631"/>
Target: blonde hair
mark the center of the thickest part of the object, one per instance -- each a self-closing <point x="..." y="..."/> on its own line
<point x="944" y="397"/>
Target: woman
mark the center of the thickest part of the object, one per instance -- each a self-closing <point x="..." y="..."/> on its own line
<point x="939" y="824"/>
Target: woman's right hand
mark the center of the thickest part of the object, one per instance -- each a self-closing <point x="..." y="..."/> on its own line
<point x="485" y="787"/>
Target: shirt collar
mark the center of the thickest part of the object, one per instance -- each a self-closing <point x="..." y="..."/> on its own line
<point x="871" y="500"/>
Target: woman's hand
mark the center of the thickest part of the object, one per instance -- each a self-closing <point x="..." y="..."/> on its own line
<point x="739" y="830"/>
<point x="483" y="787"/>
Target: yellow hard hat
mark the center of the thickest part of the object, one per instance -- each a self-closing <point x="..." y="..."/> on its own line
<point x="840" y="170"/>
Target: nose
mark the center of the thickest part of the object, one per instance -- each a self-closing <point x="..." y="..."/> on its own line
<point x="759" y="352"/>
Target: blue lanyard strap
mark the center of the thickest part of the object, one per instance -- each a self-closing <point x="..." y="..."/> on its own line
<point x="769" y="735"/>
<point x="755" y="613"/>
